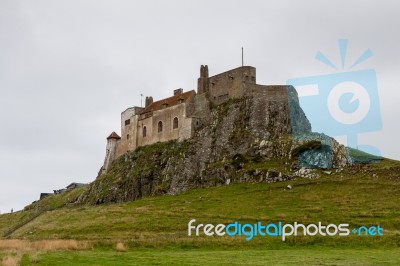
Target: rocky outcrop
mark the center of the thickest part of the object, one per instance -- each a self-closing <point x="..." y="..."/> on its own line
<point x="315" y="150"/>
<point x="242" y="140"/>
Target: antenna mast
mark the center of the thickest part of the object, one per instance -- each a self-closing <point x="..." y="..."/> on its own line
<point x="242" y="55"/>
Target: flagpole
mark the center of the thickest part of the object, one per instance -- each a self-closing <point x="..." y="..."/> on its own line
<point x="242" y="55"/>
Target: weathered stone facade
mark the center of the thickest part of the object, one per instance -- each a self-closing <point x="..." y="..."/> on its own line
<point x="179" y="116"/>
<point x="112" y="145"/>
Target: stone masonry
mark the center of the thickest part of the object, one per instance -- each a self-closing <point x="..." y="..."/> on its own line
<point x="179" y="116"/>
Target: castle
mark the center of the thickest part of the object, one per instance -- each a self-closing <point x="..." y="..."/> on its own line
<point x="178" y="116"/>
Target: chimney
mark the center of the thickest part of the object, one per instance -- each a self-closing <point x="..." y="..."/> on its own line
<point x="149" y="100"/>
<point x="178" y="91"/>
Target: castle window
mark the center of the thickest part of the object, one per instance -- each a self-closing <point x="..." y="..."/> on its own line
<point x="160" y="126"/>
<point x="127" y="122"/>
<point x="253" y="79"/>
<point x="144" y="131"/>
<point x="127" y="136"/>
<point x="164" y="105"/>
<point x="175" y="123"/>
<point x="181" y="100"/>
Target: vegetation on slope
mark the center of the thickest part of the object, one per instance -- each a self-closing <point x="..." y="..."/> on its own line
<point x="359" y="156"/>
<point x="171" y="167"/>
<point x="360" y="195"/>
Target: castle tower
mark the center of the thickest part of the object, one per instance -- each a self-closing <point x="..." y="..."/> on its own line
<point x="202" y="82"/>
<point x="112" y="143"/>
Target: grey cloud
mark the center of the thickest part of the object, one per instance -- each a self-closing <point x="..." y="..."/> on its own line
<point x="68" y="68"/>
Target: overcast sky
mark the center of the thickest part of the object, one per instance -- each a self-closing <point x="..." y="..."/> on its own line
<point x="69" y="68"/>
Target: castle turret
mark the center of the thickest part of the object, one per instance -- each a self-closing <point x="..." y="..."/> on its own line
<point x="112" y="143"/>
<point x="202" y="82"/>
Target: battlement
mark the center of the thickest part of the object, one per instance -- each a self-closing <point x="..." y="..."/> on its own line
<point x="226" y="85"/>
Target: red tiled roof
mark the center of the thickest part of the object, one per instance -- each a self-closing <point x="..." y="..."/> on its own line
<point x="113" y="135"/>
<point x="171" y="101"/>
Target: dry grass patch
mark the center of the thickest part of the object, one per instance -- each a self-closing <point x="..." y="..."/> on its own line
<point x="60" y="245"/>
<point x="280" y="215"/>
<point x="11" y="260"/>
<point x="120" y="247"/>
<point x="45" y="245"/>
<point x="142" y="209"/>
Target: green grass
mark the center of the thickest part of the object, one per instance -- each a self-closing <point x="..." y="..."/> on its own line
<point x="354" y="196"/>
<point x="155" y="228"/>
<point x="209" y="257"/>
<point x="11" y="223"/>
<point x="57" y="201"/>
<point x="363" y="157"/>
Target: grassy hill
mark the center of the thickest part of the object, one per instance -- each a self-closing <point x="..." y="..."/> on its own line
<point x="154" y="230"/>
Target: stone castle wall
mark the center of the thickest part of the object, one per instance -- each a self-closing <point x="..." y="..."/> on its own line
<point x="154" y="133"/>
<point x="179" y="116"/>
<point x="228" y="85"/>
<point x="110" y="154"/>
<point x="128" y="130"/>
<point x="222" y="87"/>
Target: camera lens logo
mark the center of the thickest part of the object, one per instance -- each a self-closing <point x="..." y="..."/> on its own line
<point x="348" y="103"/>
<point x="344" y="103"/>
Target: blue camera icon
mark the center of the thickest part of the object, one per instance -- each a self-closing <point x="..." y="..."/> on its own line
<point x="342" y="104"/>
<point x="338" y="104"/>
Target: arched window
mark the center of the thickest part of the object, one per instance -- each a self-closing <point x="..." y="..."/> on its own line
<point x="144" y="131"/>
<point x="160" y="126"/>
<point x="175" y="123"/>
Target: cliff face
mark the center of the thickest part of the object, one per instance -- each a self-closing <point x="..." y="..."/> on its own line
<point x="251" y="139"/>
